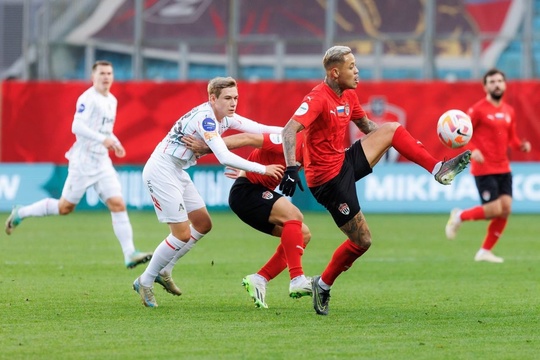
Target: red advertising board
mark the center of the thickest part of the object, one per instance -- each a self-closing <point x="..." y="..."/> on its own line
<point x="36" y="117"/>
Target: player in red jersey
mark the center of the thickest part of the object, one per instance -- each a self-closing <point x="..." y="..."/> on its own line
<point x="331" y="170"/>
<point x="494" y="132"/>
<point x="254" y="201"/>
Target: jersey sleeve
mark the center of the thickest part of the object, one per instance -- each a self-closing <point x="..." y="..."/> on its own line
<point x="310" y="108"/>
<point x="513" y="139"/>
<point x="357" y="110"/>
<point x="244" y="124"/>
<point x="208" y="131"/>
<point x="81" y="120"/>
<point x="273" y="143"/>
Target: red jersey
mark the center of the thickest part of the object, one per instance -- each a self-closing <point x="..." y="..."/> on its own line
<point x="326" y="117"/>
<point x="270" y="153"/>
<point x="494" y="130"/>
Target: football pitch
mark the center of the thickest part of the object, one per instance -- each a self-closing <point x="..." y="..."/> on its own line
<point x="413" y="295"/>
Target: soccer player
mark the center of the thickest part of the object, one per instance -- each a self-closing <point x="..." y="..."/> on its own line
<point x="331" y="170"/>
<point x="494" y="125"/>
<point x="176" y="200"/>
<point x="90" y="165"/>
<point x="253" y="199"/>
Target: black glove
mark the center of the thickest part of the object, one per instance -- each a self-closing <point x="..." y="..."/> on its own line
<point x="289" y="181"/>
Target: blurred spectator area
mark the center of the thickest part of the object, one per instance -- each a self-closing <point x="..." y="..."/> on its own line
<point x="268" y="40"/>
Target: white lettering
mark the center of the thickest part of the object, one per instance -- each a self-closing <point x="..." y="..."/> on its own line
<point x="527" y="187"/>
<point x="417" y="188"/>
<point x="9" y="186"/>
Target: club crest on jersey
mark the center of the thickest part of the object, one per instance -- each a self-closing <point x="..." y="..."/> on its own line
<point x="343" y="110"/>
<point x="81" y="108"/>
<point x="344" y="209"/>
<point x="209" y="124"/>
<point x="267" y="195"/>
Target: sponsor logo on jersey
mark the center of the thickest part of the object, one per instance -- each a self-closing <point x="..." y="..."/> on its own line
<point x="304" y="107"/>
<point x="267" y="195"/>
<point x="210" y="135"/>
<point x="209" y="124"/>
<point x="81" y="108"/>
<point x="344" y="209"/>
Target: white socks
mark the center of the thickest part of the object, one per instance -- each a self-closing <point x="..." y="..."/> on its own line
<point x="163" y="254"/>
<point x="195" y="236"/>
<point x="124" y="232"/>
<point x="43" y="207"/>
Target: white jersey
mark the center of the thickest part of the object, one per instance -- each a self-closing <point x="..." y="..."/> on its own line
<point x="201" y="123"/>
<point x="92" y="124"/>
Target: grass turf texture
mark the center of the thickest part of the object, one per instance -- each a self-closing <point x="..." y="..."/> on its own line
<point x="414" y="295"/>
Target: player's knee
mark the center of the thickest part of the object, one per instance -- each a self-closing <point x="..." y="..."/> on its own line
<point x="390" y="127"/>
<point x="203" y="225"/>
<point x="362" y="240"/>
<point x="306" y="234"/>
<point x="65" y="207"/>
<point x="116" y="204"/>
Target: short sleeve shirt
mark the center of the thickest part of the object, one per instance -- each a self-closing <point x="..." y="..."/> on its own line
<point x="326" y="117"/>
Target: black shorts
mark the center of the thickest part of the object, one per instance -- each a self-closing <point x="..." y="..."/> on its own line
<point x="490" y="187"/>
<point x="338" y="195"/>
<point x="253" y="203"/>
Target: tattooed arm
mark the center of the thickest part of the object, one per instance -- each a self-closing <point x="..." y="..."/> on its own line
<point x="365" y="125"/>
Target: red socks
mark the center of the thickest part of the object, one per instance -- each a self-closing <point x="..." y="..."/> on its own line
<point x="342" y="260"/>
<point x="292" y="241"/>
<point x="495" y="230"/>
<point x="274" y="266"/>
<point x="475" y="213"/>
<point x="412" y="149"/>
<point x="288" y="253"/>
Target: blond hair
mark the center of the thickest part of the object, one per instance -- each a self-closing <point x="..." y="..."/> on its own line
<point x="335" y="55"/>
<point x="217" y="84"/>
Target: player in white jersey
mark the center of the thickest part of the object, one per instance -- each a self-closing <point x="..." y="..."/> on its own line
<point x="91" y="166"/>
<point x="173" y="193"/>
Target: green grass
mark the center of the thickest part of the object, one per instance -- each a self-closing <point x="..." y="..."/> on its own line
<point x="414" y="295"/>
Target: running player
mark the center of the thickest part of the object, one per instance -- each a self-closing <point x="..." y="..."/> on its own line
<point x="494" y="124"/>
<point x="90" y="165"/>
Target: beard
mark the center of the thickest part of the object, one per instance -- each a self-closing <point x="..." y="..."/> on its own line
<point x="496" y="95"/>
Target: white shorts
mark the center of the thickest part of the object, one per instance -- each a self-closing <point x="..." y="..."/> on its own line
<point x="172" y="191"/>
<point x="106" y="184"/>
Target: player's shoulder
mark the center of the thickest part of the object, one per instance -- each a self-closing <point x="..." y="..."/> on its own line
<point x="88" y="94"/>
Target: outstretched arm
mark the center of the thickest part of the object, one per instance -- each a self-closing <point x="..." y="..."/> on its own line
<point x="236" y="141"/>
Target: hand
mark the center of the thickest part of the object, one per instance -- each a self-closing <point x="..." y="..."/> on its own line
<point x="525" y="146"/>
<point x="289" y="181"/>
<point x="196" y="145"/>
<point x="231" y="172"/>
<point x="477" y="156"/>
<point x="113" y="145"/>
<point x="275" y="171"/>
<point x="119" y="150"/>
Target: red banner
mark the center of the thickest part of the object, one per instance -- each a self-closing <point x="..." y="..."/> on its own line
<point x="36" y="116"/>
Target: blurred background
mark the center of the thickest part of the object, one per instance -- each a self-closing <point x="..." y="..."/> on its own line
<point x="258" y="39"/>
<point x="417" y="58"/>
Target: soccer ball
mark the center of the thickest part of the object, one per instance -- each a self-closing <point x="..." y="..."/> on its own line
<point x="454" y="129"/>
